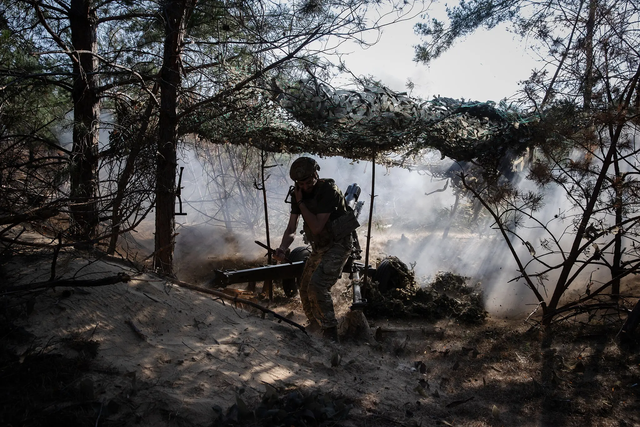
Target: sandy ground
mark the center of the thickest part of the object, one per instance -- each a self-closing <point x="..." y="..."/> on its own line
<point x="172" y="356"/>
<point x="194" y="352"/>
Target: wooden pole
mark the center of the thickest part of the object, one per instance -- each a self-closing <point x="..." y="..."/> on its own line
<point x="373" y="187"/>
<point x="268" y="284"/>
<point x="263" y="186"/>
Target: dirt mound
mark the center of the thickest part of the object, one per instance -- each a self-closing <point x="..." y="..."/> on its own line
<point x="395" y="294"/>
<point x="146" y="352"/>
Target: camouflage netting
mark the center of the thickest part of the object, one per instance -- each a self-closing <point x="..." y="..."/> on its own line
<point x="369" y="121"/>
<point x="375" y="119"/>
<point x="394" y="293"/>
<point x="308" y="116"/>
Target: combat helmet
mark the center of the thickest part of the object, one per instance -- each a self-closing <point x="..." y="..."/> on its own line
<point x="303" y="168"/>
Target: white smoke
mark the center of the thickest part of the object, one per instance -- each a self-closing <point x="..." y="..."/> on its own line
<point x="411" y="211"/>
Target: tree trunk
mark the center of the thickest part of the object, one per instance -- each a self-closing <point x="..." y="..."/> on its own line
<point x="86" y="117"/>
<point x="616" y="265"/>
<point x="175" y="14"/>
<point x="263" y="188"/>
<point x="563" y="281"/>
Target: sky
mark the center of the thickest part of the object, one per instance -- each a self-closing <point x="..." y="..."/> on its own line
<point x="487" y="65"/>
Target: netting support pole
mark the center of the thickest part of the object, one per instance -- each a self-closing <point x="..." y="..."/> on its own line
<point x="373" y="192"/>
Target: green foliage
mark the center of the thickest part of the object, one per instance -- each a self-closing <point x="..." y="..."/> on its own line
<point x="21" y="97"/>
<point x="464" y="19"/>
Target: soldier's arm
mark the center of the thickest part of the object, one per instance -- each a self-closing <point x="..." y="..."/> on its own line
<point x="287" y="237"/>
<point x="316" y="222"/>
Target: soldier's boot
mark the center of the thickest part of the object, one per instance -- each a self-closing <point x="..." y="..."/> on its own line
<point x="313" y="327"/>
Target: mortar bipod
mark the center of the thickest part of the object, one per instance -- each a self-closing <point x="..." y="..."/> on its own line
<point x="354" y="276"/>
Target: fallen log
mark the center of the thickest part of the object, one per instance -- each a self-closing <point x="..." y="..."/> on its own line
<point x="238" y="300"/>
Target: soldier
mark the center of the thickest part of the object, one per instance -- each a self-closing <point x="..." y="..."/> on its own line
<point x="321" y="203"/>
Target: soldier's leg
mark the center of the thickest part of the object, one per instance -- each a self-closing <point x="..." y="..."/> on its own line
<point x="322" y="280"/>
<point x="309" y="267"/>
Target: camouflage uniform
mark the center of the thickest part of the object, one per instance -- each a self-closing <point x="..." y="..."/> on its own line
<point x="328" y="257"/>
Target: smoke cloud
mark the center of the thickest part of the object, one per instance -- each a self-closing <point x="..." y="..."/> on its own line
<point x="411" y="210"/>
<point x="411" y="219"/>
